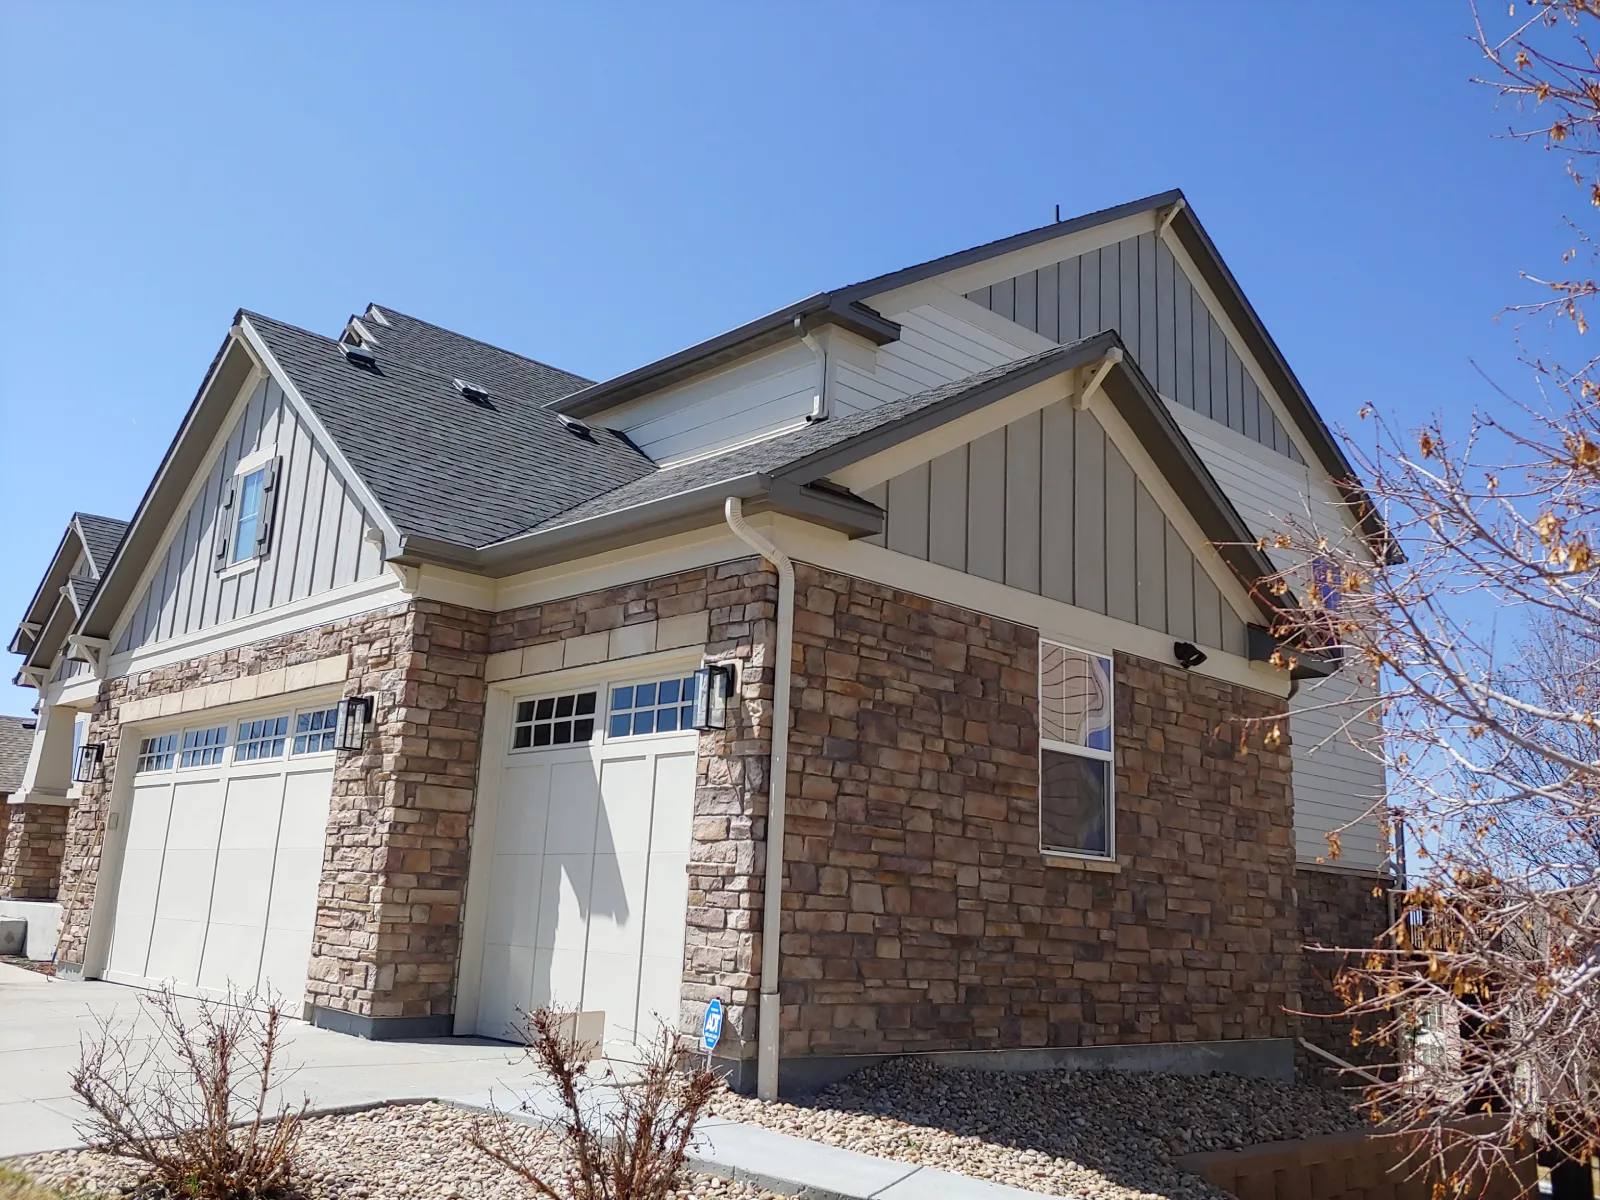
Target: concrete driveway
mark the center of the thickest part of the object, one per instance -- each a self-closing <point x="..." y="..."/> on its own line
<point x="42" y="1021"/>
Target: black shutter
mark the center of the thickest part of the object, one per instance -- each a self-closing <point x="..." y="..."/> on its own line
<point x="224" y="526"/>
<point x="269" y="506"/>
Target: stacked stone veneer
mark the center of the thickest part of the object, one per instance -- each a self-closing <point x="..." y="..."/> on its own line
<point x="919" y="911"/>
<point x="395" y="870"/>
<point x="732" y="607"/>
<point x="31" y="847"/>
<point x="1338" y="909"/>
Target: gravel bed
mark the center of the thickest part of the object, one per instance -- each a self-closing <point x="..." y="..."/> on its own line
<point x="404" y="1152"/>
<point x="1097" y="1135"/>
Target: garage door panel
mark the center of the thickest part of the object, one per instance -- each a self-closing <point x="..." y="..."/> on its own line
<point x="521" y="827"/>
<point x="243" y="887"/>
<point x="186" y="879"/>
<point x="513" y="896"/>
<point x="573" y="804"/>
<point x="669" y="900"/>
<point x="507" y="978"/>
<point x="617" y="903"/>
<point x="147" y="820"/>
<point x="564" y="902"/>
<point x="625" y="801"/>
<point x="250" y="816"/>
<point x="284" y="955"/>
<point x="611" y="987"/>
<point x="130" y="941"/>
<point x="175" y="945"/>
<point x="660" y="992"/>
<point x="232" y="956"/>
<point x="304" y="823"/>
<point x="672" y="815"/>
<point x="196" y="815"/>
<point x="295" y="877"/>
<point x="558" y="978"/>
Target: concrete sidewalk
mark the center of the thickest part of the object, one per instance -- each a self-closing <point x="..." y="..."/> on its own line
<point x="42" y="1021"/>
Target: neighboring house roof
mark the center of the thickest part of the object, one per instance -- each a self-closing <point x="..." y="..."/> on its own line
<point x="466" y="358"/>
<point x="441" y="466"/>
<point x="16" y="742"/>
<point x="97" y="537"/>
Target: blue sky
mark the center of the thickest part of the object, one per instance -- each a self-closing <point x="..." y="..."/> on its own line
<point x="599" y="185"/>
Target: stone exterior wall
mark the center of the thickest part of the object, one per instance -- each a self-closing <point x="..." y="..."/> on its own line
<point x="1337" y="908"/>
<point x="394" y="876"/>
<point x="919" y="912"/>
<point x="739" y="603"/>
<point x="31" y="847"/>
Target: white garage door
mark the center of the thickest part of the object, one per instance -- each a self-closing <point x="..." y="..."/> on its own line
<point x="588" y="878"/>
<point x="223" y="852"/>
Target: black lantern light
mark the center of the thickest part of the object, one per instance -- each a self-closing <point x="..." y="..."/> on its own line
<point x="713" y="684"/>
<point x="355" y="714"/>
<point x="86" y="765"/>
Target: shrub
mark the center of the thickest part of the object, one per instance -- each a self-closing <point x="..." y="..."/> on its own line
<point x="632" y="1148"/>
<point x="192" y="1105"/>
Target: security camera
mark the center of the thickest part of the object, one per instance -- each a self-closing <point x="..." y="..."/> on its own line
<point x="1188" y="655"/>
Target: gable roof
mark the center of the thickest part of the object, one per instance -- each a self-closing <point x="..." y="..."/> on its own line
<point x="442" y="467"/>
<point x="97" y="538"/>
<point x="458" y="356"/>
<point x="16" y="742"/>
<point x="101" y="537"/>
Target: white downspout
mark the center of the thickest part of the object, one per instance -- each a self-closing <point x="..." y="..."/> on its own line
<point x="777" y="785"/>
<point x="819" y="402"/>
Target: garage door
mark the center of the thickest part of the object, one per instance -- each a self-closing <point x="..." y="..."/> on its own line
<point x="223" y="853"/>
<point x="588" y="879"/>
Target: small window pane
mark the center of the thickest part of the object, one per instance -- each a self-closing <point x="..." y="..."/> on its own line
<point x="522" y="737"/>
<point x="656" y="706"/>
<point x="203" y="747"/>
<point x="644" y="695"/>
<point x="157" y="753"/>
<point x="561" y="734"/>
<point x="545" y="709"/>
<point x="666" y="720"/>
<point x="644" y="722"/>
<point x="263" y="738"/>
<point x="621" y="697"/>
<point x="667" y="693"/>
<point x="1074" y="697"/>
<point x="583" y="730"/>
<point x="541" y="735"/>
<point x="1073" y="810"/>
<point x="585" y="703"/>
<point x="620" y="724"/>
<point x="524" y="711"/>
<point x="547" y="721"/>
<point x="564" y="705"/>
<point x="315" y="731"/>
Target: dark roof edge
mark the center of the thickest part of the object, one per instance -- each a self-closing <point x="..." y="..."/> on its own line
<point x="14" y="646"/>
<point x="825" y="308"/>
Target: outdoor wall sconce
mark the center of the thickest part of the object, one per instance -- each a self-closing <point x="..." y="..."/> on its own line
<point x="713" y="684"/>
<point x="355" y="714"/>
<point x="87" y="764"/>
<point x="1188" y="655"/>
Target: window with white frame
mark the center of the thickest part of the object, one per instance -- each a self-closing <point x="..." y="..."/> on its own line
<point x="244" y="526"/>
<point x="156" y="753"/>
<point x="1076" y="811"/>
<point x="261" y="738"/>
<point x="203" y="747"/>
<point x="548" y="721"/>
<point x="656" y="706"/>
<point x="315" y="730"/>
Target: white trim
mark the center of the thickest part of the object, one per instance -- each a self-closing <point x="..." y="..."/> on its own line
<point x="243" y="567"/>
<point x="255" y="460"/>
<point x="647" y="560"/>
<point x="1108" y="757"/>
<point x="364" y="595"/>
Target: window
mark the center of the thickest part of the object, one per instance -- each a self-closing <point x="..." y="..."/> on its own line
<point x="157" y="753"/>
<point x="664" y="706"/>
<point x="1075" y="751"/>
<point x="566" y="720"/>
<point x="203" y="747"/>
<point x="315" y="730"/>
<point x="244" y="523"/>
<point x="262" y="738"/>
<point x="247" y="524"/>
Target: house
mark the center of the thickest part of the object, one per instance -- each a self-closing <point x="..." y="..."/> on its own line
<point x="432" y="682"/>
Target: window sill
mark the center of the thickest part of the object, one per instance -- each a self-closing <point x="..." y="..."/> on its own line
<point x="1104" y="866"/>
<point x="239" y="568"/>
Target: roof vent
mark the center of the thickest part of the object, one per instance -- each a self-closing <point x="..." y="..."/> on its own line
<point x="362" y="356"/>
<point x="576" y="426"/>
<point x="474" y="393"/>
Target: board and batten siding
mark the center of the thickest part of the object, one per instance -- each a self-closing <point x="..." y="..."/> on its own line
<point x="1049" y="505"/>
<point x="1335" y="781"/>
<point x="1137" y="288"/>
<point x="319" y="532"/>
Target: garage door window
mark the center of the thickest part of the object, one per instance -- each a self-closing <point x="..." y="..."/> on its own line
<point x="203" y="747"/>
<point x="315" y="729"/>
<point x="656" y="706"/>
<point x="263" y="738"/>
<point x="157" y="753"/>
<point x="548" y="721"/>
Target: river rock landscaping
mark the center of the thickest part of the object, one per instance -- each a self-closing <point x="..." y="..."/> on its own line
<point x="1091" y="1135"/>
<point x="402" y="1152"/>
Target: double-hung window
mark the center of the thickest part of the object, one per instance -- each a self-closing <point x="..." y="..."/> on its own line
<point x="1076" y="813"/>
<point x="244" y="524"/>
<point x="247" y="525"/>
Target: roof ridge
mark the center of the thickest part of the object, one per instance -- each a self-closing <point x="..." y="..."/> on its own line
<point x="386" y="310"/>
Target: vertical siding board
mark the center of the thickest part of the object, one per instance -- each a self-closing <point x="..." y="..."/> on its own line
<point x="348" y="551"/>
<point x="1022" y="503"/>
<point x="310" y="515"/>
<point x="1166" y="329"/>
<point x="1122" y="595"/>
<point x="1089" y="512"/>
<point x="1049" y="298"/>
<point x="908" y="512"/>
<point x="878" y="495"/>
<point x="980" y="296"/>
<point x="1128" y="292"/>
<point x="1234" y="638"/>
<point x="188" y="541"/>
<point x="371" y="558"/>
<point x="1089" y="293"/>
<point x="1183" y="343"/>
<point x="1149" y="344"/>
<point x="260" y="596"/>
<point x="1026" y="300"/>
<point x="1207" y="610"/>
<point x="292" y="452"/>
<point x="1180" y="585"/>
<point x="1235" y="391"/>
<point x="327" y="532"/>
<point x="1200" y="321"/>
<point x="947" y="509"/>
<point x="1110" y="300"/>
<point x="1219" y="371"/>
<point x="986" y="506"/>
<point x="1152" y="564"/>
<point x="1055" y="502"/>
<point x="1003" y="298"/>
<point x="1251" y="404"/>
<point x="1069" y="300"/>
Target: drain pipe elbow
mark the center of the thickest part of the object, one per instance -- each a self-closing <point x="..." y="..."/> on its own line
<point x="777" y="787"/>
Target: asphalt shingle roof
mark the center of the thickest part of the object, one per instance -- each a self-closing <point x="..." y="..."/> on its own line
<point x="786" y="449"/>
<point x="16" y="740"/>
<point x="82" y="592"/>
<point x="441" y="465"/>
<point x="468" y="359"/>
<point x="102" y="536"/>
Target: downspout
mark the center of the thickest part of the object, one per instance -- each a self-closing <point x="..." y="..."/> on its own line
<point x="819" y="403"/>
<point x="777" y="785"/>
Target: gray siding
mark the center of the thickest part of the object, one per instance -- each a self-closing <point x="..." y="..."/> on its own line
<point x="318" y="540"/>
<point x="1048" y="505"/>
<point x="1136" y="288"/>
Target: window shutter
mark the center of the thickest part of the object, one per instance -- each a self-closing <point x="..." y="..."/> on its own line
<point x="224" y="526"/>
<point x="269" y="506"/>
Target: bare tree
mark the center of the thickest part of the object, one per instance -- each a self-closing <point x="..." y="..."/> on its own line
<point x="1478" y="648"/>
